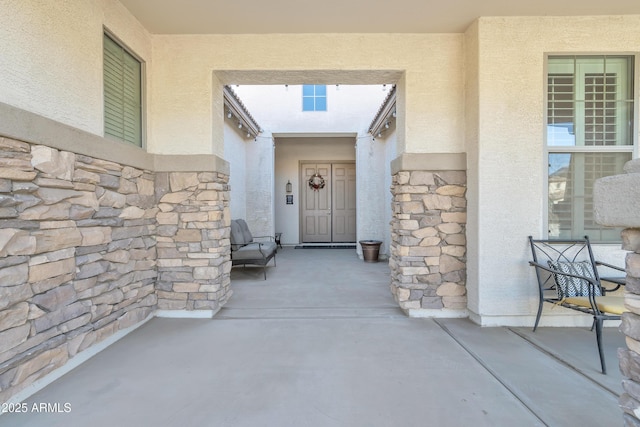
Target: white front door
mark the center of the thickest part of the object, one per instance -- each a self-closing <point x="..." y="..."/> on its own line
<point x="343" y="204"/>
<point x="316" y="207"/>
<point x="329" y="211"/>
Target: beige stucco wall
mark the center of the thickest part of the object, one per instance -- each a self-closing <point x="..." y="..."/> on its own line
<point x="194" y="67"/>
<point x="51" y="59"/>
<point x="507" y="165"/>
<point x="472" y="116"/>
<point x="63" y="81"/>
<point x="235" y="152"/>
<point x="390" y="138"/>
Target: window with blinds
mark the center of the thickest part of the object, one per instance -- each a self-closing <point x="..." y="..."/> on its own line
<point x="122" y="94"/>
<point x="589" y="136"/>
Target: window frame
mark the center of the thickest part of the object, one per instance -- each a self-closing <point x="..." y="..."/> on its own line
<point x="551" y="149"/>
<point x="143" y="116"/>
<point x="315" y="97"/>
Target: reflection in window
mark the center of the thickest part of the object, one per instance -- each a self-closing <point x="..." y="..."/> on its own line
<point x="560" y="110"/>
<point x="571" y="180"/>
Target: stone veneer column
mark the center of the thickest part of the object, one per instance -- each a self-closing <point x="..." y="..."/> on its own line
<point x="428" y="244"/>
<point x="617" y="203"/>
<point x="193" y="241"/>
<point x="630" y="357"/>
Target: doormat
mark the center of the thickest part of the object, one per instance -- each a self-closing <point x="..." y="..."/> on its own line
<point x="326" y="247"/>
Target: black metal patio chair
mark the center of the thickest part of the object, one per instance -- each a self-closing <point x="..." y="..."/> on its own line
<point x="568" y="276"/>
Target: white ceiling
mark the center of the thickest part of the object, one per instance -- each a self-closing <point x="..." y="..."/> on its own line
<point x="349" y="16"/>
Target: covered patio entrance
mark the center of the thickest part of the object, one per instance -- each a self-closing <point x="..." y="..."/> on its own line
<point x="321" y="343"/>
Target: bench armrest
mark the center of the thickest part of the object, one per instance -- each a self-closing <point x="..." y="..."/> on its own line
<point x="618" y="280"/>
<point x="615" y="267"/>
<point x="271" y="238"/>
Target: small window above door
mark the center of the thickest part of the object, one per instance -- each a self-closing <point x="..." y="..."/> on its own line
<point x="314" y="98"/>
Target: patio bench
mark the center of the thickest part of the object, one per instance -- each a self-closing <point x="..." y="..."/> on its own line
<point x="245" y="250"/>
<point x="568" y="276"/>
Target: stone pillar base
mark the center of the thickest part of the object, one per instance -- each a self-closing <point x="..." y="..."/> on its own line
<point x="194" y="261"/>
<point x="428" y="244"/>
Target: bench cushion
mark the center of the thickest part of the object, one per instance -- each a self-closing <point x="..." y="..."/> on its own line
<point x="606" y="304"/>
<point x="252" y="251"/>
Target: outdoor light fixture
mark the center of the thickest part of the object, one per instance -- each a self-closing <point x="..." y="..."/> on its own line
<point x="229" y="115"/>
<point x="239" y="125"/>
<point x="289" y="186"/>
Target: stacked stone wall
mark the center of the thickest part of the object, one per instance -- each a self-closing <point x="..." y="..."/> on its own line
<point x="630" y="357"/>
<point x="90" y="247"/>
<point x="77" y="256"/>
<point x="193" y="240"/>
<point x="617" y="204"/>
<point x="428" y="244"/>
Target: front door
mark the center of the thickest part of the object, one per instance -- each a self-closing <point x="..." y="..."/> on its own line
<point x="343" y="205"/>
<point x="329" y="209"/>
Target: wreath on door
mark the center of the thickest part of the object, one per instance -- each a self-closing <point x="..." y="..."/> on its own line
<point x="316" y="182"/>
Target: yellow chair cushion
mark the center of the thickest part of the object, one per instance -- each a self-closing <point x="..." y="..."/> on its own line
<point x="606" y="304"/>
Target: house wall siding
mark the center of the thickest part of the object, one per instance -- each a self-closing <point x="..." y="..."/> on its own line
<point x="235" y="152"/>
<point x="506" y="89"/>
<point x="52" y="56"/>
<point x="372" y="193"/>
<point x="260" y="187"/>
<point x="434" y="89"/>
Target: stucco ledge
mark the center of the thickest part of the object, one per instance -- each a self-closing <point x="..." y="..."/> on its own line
<point x="429" y="162"/>
<point x="190" y="163"/>
<point x="29" y="127"/>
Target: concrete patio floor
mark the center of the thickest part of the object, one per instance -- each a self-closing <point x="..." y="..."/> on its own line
<point x="322" y="343"/>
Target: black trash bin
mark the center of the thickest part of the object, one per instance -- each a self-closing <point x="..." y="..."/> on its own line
<point x="370" y="250"/>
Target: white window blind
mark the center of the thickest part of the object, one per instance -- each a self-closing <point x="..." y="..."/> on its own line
<point x="122" y="94"/>
<point x="600" y="109"/>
